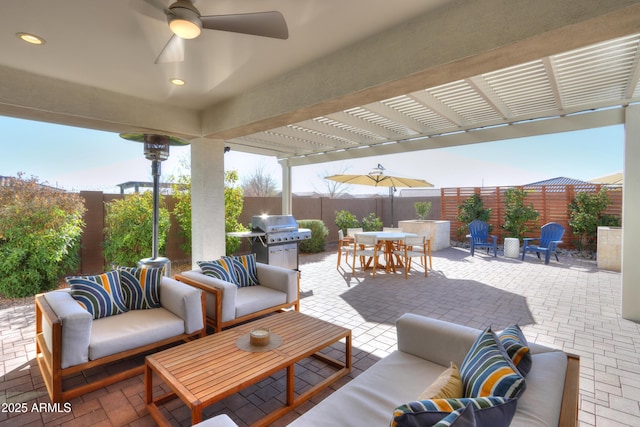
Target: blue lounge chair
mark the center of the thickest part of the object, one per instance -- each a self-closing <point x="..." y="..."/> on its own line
<point x="480" y="237"/>
<point x="550" y="237"/>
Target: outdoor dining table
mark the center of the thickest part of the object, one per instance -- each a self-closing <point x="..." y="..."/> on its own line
<point x="389" y="238"/>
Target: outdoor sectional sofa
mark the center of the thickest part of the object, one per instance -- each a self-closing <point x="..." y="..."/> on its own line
<point x="69" y="340"/>
<point x="425" y="348"/>
<point x="228" y="303"/>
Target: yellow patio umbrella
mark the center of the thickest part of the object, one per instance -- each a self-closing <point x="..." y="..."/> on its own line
<point x="377" y="178"/>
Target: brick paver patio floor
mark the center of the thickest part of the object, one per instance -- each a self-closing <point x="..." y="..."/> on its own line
<point x="568" y="304"/>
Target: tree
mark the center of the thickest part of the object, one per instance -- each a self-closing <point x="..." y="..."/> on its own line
<point x="517" y="215"/>
<point x="40" y="230"/>
<point x="259" y="184"/>
<point x="333" y="189"/>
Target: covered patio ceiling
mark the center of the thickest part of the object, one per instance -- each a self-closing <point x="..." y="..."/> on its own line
<point x="572" y="90"/>
<point x="354" y="79"/>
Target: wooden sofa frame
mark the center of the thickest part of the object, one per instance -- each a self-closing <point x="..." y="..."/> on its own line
<point x="50" y="362"/>
<point x="571" y="393"/>
<point x="216" y="322"/>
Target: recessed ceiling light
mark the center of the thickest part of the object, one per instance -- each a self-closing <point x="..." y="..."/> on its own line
<point x="30" y="38"/>
<point x="177" y="82"/>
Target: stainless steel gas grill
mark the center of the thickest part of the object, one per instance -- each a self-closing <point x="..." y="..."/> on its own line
<point x="275" y="239"/>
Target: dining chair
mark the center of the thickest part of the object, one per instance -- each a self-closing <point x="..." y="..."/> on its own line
<point x="351" y="232"/>
<point x="426" y="247"/>
<point x="414" y="247"/>
<point x="345" y="246"/>
<point x="365" y="246"/>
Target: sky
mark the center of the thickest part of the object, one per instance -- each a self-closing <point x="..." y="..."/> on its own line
<point x="79" y="159"/>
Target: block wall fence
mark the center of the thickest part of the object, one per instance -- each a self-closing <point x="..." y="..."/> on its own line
<point x="550" y="201"/>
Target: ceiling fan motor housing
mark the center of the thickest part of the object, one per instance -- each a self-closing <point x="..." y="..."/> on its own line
<point x="180" y="15"/>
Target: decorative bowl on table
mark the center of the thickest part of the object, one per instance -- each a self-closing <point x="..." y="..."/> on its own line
<point x="259" y="336"/>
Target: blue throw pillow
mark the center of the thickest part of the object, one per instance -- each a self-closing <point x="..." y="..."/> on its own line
<point x="141" y="287"/>
<point x="459" y="418"/>
<point x="101" y="295"/>
<point x="487" y="412"/>
<point x="222" y="269"/>
<point x="245" y="267"/>
<point x="517" y="348"/>
<point x="487" y="369"/>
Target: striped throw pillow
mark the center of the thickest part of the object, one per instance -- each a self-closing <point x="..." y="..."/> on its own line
<point x="222" y="269"/>
<point x="517" y="348"/>
<point x="487" y="411"/>
<point x="487" y="369"/>
<point x="141" y="287"/>
<point x="245" y="266"/>
<point x="101" y="295"/>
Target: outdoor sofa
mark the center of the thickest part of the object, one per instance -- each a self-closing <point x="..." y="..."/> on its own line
<point x="69" y="340"/>
<point x="426" y="347"/>
<point x="229" y="303"/>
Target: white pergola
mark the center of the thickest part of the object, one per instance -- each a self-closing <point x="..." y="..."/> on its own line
<point x="354" y="79"/>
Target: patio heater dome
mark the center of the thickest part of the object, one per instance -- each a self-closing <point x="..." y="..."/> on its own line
<point x="156" y="149"/>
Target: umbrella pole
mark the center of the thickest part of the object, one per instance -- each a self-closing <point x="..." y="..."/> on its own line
<point x="391" y="196"/>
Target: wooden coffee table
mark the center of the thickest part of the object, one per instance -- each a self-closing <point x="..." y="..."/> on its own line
<point x="209" y="369"/>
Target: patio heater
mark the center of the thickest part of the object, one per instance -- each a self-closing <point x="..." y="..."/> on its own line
<point x="156" y="149"/>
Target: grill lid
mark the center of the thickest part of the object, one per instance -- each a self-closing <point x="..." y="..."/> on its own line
<point x="274" y="223"/>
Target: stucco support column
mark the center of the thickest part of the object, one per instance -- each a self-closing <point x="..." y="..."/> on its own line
<point x="630" y="221"/>
<point x="207" y="199"/>
<point x="287" y="208"/>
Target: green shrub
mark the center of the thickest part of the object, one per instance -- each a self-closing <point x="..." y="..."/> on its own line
<point x="517" y="215"/>
<point x="182" y="211"/>
<point x="233" y="203"/>
<point x="471" y="209"/>
<point x="585" y="215"/>
<point x="128" y="233"/>
<point x="319" y="234"/>
<point x="40" y="229"/>
<point x="371" y="222"/>
<point x="345" y="219"/>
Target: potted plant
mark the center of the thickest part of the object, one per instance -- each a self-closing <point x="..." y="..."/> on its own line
<point x="422" y="210"/>
<point x="437" y="231"/>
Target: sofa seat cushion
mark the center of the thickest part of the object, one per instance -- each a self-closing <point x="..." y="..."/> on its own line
<point x="540" y="404"/>
<point x="251" y="299"/>
<point x="372" y="397"/>
<point x="132" y="329"/>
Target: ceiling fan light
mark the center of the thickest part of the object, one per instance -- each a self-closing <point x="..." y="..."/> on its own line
<point x="185" y="23"/>
<point x="185" y="29"/>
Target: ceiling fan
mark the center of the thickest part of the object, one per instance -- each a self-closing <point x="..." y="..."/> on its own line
<point x="186" y="22"/>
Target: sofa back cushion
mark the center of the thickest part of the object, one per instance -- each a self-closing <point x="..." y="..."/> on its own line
<point x="101" y="295"/>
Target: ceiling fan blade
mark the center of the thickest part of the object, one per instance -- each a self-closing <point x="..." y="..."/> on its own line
<point x="265" y="24"/>
<point x="173" y="51"/>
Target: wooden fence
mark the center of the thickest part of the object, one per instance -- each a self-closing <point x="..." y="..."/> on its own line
<point x="551" y="202"/>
